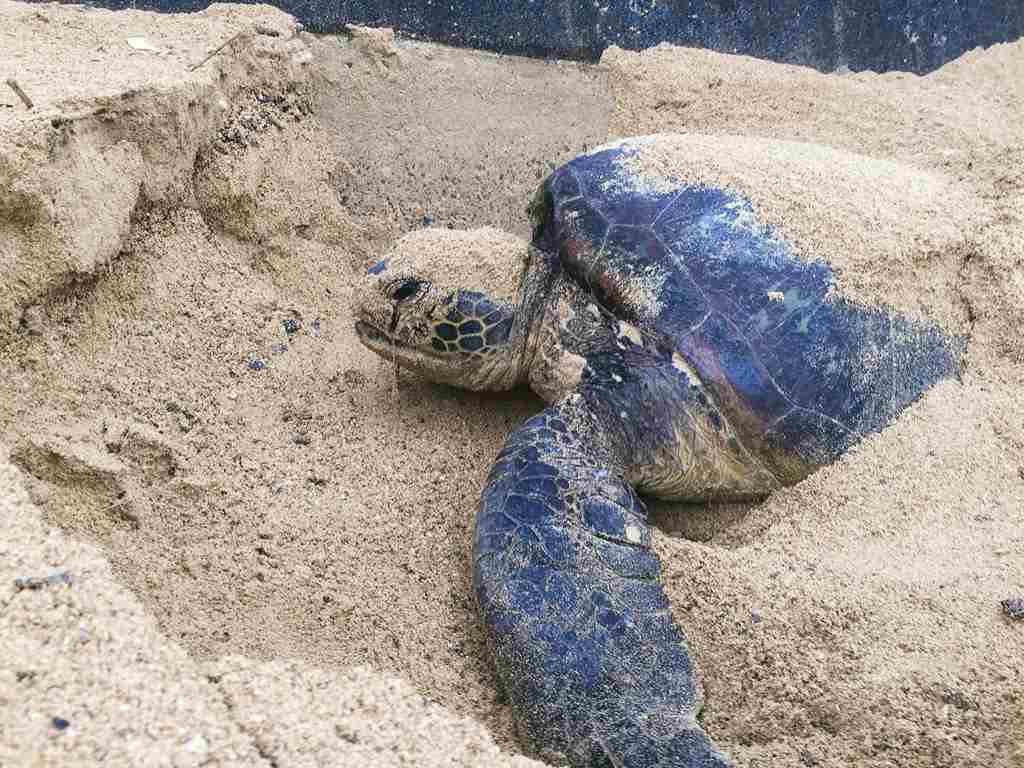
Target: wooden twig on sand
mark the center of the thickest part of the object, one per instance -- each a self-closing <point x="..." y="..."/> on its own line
<point x="217" y="50"/>
<point x="13" y="84"/>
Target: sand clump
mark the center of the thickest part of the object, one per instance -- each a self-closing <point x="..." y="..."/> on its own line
<point x="185" y="400"/>
<point x="114" y="129"/>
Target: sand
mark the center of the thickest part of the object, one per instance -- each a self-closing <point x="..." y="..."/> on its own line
<point x="268" y="530"/>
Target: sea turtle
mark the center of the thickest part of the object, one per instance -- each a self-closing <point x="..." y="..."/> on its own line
<point x="686" y="351"/>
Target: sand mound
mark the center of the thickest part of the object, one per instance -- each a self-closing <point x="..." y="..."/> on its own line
<point x="183" y="389"/>
<point x="963" y="117"/>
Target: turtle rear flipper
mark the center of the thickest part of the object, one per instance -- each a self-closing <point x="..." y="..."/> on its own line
<point x="586" y="647"/>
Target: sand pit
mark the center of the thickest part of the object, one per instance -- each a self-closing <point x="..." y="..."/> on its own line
<point x="260" y="517"/>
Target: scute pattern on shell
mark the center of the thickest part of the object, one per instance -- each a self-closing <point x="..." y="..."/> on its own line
<point x="804" y="373"/>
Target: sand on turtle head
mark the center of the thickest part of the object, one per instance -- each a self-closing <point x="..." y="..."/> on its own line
<point x="483" y="259"/>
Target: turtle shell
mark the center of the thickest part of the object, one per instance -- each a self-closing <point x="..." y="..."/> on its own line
<point x="801" y="371"/>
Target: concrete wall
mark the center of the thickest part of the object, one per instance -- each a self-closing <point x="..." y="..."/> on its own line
<point x="911" y="35"/>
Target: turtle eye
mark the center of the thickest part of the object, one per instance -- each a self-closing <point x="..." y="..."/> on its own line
<point x="405" y="290"/>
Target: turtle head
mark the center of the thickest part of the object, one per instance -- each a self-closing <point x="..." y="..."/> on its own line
<point x="444" y="303"/>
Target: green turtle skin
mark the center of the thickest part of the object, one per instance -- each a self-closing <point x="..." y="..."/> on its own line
<point x="685" y="354"/>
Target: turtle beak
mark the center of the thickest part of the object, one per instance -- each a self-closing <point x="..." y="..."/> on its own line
<point x="376" y="318"/>
<point x="370" y="337"/>
<point x="379" y="317"/>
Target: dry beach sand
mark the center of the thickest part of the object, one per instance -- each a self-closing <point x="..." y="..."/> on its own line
<point x="266" y="530"/>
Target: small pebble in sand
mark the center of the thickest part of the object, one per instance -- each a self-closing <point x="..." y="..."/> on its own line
<point x="38" y="582"/>
<point x="197" y="745"/>
<point x="420" y="214"/>
<point x="291" y="325"/>
<point x="33" y="320"/>
<point x="59" y="723"/>
<point x="1014" y="607"/>
<point x="256" y="364"/>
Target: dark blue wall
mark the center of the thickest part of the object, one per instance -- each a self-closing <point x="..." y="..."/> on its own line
<point x="912" y="35"/>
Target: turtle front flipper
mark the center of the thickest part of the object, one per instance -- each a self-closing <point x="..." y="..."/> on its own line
<point x="584" y="641"/>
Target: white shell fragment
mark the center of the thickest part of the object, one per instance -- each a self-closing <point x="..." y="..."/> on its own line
<point x="141" y="44"/>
